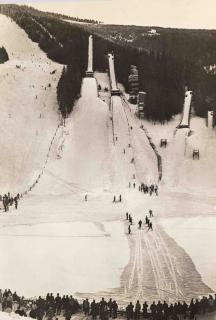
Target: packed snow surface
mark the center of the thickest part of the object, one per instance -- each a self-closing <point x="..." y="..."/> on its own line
<point x="190" y="233"/>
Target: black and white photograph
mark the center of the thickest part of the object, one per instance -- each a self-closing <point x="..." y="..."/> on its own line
<point x="108" y="159"/>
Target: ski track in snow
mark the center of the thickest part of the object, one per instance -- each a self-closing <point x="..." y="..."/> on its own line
<point x="162" y="266"/>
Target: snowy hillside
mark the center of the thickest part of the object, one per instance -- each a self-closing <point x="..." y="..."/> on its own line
<point x="180" y="171"/>
<point x="69" y="235"/>
<point x="80" y="155"/>
<point x="29" y="113"/>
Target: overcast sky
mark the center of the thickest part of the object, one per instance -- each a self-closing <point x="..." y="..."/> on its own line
<point x="171" y="13"/>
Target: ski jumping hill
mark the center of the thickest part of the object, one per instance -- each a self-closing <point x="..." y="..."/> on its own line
<point x="80" y="155"/>
<point x="29" y="110"/>
<point x="65" y="242"/>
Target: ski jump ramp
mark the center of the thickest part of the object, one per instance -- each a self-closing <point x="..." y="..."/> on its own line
<point x="114" y="89"/>
<point x="186" y="111"/>
<point x="89" y="71"/>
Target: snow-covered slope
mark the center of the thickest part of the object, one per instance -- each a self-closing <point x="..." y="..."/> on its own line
<point x="81" y="153"/>
<point x="199" y="175"/>
<point x="180" y="171"/>
<point x="29" y="113"/>
<point x="138" y="163"/>
<point x="11" y="316"/>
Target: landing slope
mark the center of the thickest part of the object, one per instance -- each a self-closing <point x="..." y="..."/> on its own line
<point x="81" y="152"/>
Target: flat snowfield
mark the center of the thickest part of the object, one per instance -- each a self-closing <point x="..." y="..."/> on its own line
<point x="58" y="242"/>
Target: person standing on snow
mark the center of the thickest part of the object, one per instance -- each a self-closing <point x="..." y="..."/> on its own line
<point x="102" y="308"/>
<point x="16" y="202"/>
<point x="86" y="307"/>
<point x="115" y="309"/>
<point x="130" y="311"/>
<point x="137" y="310"/>
<point x="156" y="190"/>
<point x="150" y="213"/>
<point x="140" y="224"/>
<point x="129" y="229"/>
<point x="145" y="310"/>
<point x="58" y="303"/>
<point x="110" y="307"/>
<point x="94" y="310"/>
<point x="150" y="226"/>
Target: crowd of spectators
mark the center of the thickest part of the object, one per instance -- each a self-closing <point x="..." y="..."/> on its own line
<point x="173" y="311"/>
<point x="48" y="308"/>
<point x="63" y="307"/>
<point x="8" y="201"/>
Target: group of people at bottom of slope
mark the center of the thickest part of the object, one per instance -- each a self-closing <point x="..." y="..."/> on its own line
<point x="63" y="307"/>
<point x="103" y="309"/>
<point x="49" y="308"/>
<point x="174" y="311"/>
<point x="54" y="306"/>
<point x="148" y="221"/>
<point x="8" y="201"/>
<point x="154" y="311"/>
<point x="159" y="311"/>
<point x="151" y="189"/>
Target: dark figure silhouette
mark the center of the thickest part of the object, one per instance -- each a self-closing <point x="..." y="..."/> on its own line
<point x="140" y="224"/>
<point x="129" y="229"/>
<point x="150" y="226"/>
